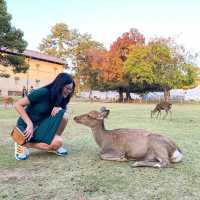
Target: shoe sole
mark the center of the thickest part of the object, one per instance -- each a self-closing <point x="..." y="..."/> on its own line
<point x="25" y="158"/>
<point x="61" y="154"/>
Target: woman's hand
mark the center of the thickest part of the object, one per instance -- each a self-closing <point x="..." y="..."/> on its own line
<point x="55" y="111"/>
<point x="29" y="131"/>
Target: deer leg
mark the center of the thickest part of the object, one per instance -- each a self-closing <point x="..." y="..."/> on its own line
<point x="146" y="163"/>
<point x="161" y="163"/>
<point x="161" y="154"/>
<point x="166" y="113"/>
<point x="113" y="155"/>
<point x="151" y="114"/>
<point x="158" y="114"/>
<point x="170" y="114"/>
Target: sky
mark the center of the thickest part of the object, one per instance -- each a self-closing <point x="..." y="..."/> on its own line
<point x="106" y="20"/>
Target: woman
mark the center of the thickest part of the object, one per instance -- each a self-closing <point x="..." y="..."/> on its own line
<point x="24" y="92"/>
<point x="44" y="118"/>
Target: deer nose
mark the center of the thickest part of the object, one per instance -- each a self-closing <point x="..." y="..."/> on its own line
<point x="75" y="118"/>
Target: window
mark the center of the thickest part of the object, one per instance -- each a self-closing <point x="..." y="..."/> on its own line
<point x="16" y="78"/>
<point x="37" y="81"/>
<point x="14" y="93"/>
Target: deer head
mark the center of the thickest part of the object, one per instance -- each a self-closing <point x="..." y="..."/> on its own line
<point x="92" y="118"/>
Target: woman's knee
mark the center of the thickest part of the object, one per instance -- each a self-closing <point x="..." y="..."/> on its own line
<point x="66" y="117"/>
<point x="56" y="143"/>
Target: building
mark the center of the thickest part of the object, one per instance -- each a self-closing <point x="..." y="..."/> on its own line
<point x="43" y="69"/>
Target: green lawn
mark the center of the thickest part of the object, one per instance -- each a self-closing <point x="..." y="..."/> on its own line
<point x="47" y="176"/>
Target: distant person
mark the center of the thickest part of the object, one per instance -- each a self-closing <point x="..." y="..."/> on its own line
<point x="24" y="92"/>
<point x="43" y="116"/>
<point x="31" y="89"/>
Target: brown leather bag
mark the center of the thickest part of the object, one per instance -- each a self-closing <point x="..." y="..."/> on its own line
<point x="18" y="136"/>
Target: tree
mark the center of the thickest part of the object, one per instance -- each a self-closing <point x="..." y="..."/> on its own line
<point x="120" y="47"/>
<point x="171" y="66"/>
<point x="108" y="66"/>
<point x="71" y="46"/>
<point x="80" y="61"/>
<point x="60" y="41"/>
<point x="161" y="62"/>
<point x="120" y="50"/>
<point x="11" y="41"/>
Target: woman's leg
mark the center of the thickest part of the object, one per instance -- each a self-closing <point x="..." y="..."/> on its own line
<point x="56" y="143"/>
<point x="63" y="124"/>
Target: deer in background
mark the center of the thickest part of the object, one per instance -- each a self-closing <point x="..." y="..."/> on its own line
<point x="7" y="101"/>
<point x="148" y="149"/>
<point x="164" y="105"/>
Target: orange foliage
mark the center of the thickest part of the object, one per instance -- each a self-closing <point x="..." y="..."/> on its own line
<point x="121" y="46"/>
<point x="111" y="63"/>
<point x="109" y="66"/>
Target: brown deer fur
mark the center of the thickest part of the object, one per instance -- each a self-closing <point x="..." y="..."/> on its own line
<point x="164" y="105"/>
<point x="145" y="147"/>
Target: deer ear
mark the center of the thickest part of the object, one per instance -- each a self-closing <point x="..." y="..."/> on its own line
<point x="102" y="109"/>
<point x="100" y="116"/>
<point x="97" y="116"/>
<point x="104" y="112"/>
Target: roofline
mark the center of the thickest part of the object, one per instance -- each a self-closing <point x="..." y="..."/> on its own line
<point x="34" y="57"/>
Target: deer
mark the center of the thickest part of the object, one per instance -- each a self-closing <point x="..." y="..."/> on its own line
<point x="163" y="105"/>
<point x="146" y="148"/>
<point x="7" y="100"/>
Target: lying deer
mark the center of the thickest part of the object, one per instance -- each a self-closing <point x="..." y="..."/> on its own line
<point x="164" y="105"/>
<point x="146" y="148"/>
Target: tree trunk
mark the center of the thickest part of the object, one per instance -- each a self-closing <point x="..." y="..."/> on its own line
<point x="90" y="94"/>
<point x="128" y="96"/>
<point x="77" y="80"/>
<point x="166" y="94"/>
<point x="120" y="94"/>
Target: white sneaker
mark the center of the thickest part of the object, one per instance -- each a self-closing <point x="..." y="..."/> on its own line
<point x="61" y="151"/>
<point x="21" y="152"/>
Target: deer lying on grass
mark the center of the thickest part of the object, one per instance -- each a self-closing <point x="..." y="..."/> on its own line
<point x="164" y="105"/>
<point x="146" y="148"/>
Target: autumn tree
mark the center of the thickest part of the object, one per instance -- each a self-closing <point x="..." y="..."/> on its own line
<point x="108" y="66"/>
<point x="119" y="51"/>
<point x="107" y="69"/>
<point x="60" y="41"/>
<point x="71" y="46"/>
<point x="80" y="61"/>
<point x="161" y="62"/>
<point x="11" y="40"/>
<point x="120" y="47"/>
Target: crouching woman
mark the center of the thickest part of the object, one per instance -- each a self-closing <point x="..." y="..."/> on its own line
<point x="43" y="116"/>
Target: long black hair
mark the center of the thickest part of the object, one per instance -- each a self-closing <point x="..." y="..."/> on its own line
<point x="56" y="87"/>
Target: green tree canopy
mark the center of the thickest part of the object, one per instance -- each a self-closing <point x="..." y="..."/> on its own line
<point x="11" y="40"/>
<point x="161" y="62"/>
<point x="71" y="46"/>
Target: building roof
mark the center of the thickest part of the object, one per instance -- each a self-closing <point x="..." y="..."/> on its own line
<point x="37" y="55"/>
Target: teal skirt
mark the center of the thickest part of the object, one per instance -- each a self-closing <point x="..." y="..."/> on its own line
<point x="45" y="131"/>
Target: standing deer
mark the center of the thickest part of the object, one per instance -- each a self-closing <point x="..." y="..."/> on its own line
<point x="148" y="149"/>
<point x="164" y="105"/>
<point x="7" y="101"/>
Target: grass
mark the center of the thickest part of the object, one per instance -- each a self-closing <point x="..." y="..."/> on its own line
<point x="47" y="176"/>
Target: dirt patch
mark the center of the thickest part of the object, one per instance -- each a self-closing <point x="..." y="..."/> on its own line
<point x="14" y="175"/>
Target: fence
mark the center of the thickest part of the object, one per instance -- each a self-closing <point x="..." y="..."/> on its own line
<point x="176" y="95"/>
